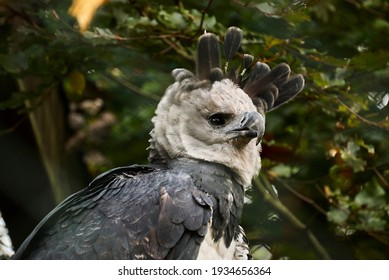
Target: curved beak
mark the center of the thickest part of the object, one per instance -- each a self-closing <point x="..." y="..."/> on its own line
<point x="252" y="125"/>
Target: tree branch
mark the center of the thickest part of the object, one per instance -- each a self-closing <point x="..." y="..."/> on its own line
<point x="302" y="197"/>
<point x="205" y="11"/>
<point x="262" y="184"/>
<point x="127" y="84"/>
<point x="366" y="121"/>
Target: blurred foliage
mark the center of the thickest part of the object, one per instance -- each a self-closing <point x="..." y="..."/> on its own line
<point x="325" y="153"/>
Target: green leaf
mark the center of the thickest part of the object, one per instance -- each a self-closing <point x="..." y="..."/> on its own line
<point x="15" y="101"/>
<point x="371" y="196"/>
<point x="271" y="41"/>
<point x="283" y="170"/>
<point x="297" y="17"/>
<point x="350" y="157"/>
<point x="371" y="221"/>
<point x="266" y="8"/>
<point x="173" y="20"/>
<point x="133" y="22"/>
<point x="338" y="215"/>
<point x="15" y="62"/>
<point x="370" y="148"/>
<point x="371" y="60"/>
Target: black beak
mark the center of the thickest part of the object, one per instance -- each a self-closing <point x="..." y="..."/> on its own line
<point x="252" y="125"/>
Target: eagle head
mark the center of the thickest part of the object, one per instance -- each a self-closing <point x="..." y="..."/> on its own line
<point x="217" y="117"/>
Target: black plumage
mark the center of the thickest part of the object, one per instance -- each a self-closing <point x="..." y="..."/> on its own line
<point x="140" y="212"/>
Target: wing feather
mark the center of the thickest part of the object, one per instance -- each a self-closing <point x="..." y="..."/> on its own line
<point x="129" y="213"/>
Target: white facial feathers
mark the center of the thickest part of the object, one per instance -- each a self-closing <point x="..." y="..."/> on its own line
<point x="210" y="122"/>
<point x="218" y="116"/>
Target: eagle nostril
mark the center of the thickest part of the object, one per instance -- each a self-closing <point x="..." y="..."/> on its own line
<point x="243" y="119"/>
<point x="247" y="118"/>
<point x="250" y="120"/>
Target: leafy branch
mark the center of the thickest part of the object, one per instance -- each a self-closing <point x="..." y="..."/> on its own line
<point x="383" y="125"/>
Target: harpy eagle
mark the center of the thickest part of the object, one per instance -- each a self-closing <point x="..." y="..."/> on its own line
<point x="204" y="151"/>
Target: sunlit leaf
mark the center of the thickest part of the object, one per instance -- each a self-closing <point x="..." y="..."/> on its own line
<point x="370" y="148"/>
<point x="282" y="170"/>
<point x="74" y="84"/>
<point x="84" y="10"/>
<point x="350" y="156"/>
<point x="266" y="8"/>
<point x="271" y="41"/>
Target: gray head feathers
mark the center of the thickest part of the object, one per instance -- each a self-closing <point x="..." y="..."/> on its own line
<point x="217" y="115"/>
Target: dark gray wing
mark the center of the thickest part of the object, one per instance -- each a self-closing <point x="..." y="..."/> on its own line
<point x="135" y="212"/>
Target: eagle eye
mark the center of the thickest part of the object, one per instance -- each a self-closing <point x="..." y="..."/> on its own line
<point x="217" y="119"/>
